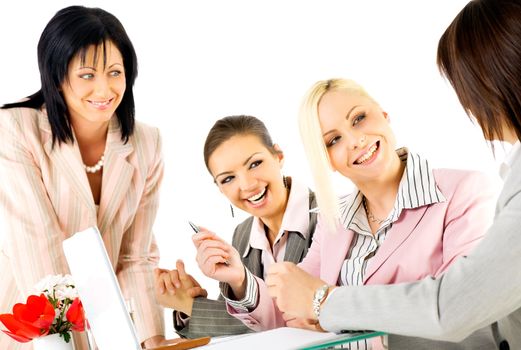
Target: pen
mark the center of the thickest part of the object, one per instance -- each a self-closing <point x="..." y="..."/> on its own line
<point x="196" y="229"/>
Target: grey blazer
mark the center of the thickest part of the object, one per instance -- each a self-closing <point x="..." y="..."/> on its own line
<point x="474" y="292"/>
<point x="209" y="317"/>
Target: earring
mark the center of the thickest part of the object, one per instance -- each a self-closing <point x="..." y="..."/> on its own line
<point x="285" y="181"/>
<point x="231" y="209"/>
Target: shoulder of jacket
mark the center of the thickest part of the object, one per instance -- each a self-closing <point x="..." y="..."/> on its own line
<point x="453" y="178"/>
<point x="144" y="130"/>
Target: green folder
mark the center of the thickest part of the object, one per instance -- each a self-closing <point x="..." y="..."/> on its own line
<point x="342" y="338"/>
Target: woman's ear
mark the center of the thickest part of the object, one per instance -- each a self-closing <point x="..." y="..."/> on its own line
<point x="216" y="184"/>
<point x="279" y="154"/>
<point x="219" y="187"/>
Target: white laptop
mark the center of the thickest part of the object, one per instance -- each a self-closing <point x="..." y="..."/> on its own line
<point x="99" y="291"/>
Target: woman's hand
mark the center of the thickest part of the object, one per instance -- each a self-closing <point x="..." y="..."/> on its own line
<point x="160" y="340"/>
<point x="293" y="289"/>
<point x="176" y="289"/>
<point x="219" y="260"/>
<point x="303" y="323"/>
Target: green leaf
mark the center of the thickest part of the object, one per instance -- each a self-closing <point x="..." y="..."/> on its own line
<point x="66" y="336"/>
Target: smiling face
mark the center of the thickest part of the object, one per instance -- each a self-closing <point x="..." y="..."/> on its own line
<point x="93" y="89"/>
<point x="248" y="174"/>
<point x="356" y="132"/>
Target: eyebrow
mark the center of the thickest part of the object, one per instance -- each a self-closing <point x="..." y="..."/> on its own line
<point x="351" y="110"/>
<point x="85" y="67"/>
<point x="117" y="63"/>
<point x="94" y="69"/>
<point x="244" y="163"/>
<point x="347" y="117"/>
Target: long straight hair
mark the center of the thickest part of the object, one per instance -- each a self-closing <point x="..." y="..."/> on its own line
<point x="314" y="146"/>
<point x="480" y="55"/>
<point x="71" y="32"/>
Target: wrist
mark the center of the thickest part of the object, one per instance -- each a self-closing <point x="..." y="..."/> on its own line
<point x="319" y="297"/>
<point x="239" y="286"/>
<point x="187" y="309"/>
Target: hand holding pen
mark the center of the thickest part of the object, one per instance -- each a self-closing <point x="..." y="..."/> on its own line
<point x="197" y="230"/>
<point x="217" y="259"/>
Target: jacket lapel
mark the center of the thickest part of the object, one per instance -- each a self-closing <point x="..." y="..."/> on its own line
<point x="117" y="176"/>
<point x="251" y="257"/>
<point x="295" y="247"/>
<point x="253" y="262"/>
<point x="66" y="158"/>
<point x="401" y="230"/>
<point x="334" y="252"/>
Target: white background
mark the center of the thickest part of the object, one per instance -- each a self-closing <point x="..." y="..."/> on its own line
<point x="202" y="60"/>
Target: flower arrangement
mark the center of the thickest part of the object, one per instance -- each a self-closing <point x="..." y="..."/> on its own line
<point x="56" y="309"/>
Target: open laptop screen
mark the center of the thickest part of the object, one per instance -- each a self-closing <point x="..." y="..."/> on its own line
<point x="99" y="291"/>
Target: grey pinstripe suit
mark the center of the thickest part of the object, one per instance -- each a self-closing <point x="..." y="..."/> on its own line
<point x="209" y="317"/>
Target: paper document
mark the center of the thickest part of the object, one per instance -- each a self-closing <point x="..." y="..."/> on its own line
<point x="284" y="338"/>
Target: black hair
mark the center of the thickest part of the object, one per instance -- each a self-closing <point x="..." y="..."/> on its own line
<point x="71" y="32"/>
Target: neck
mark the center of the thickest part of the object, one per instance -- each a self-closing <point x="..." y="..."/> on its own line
<point x="274" y="222"/>
<point x="88" y="133"/>
<point x="91" y="138"/>
<point x="381" y="193"/>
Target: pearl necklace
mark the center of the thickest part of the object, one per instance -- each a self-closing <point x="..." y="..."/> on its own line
<point x="96" y="167"/>
<point x="370" y="215"/>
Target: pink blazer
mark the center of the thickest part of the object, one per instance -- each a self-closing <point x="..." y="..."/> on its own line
<point x="45" y="198"/>
<point x="422" y="242"/>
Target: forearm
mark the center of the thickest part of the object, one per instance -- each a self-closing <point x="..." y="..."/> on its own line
<point x="137" y="286"/>
<point x="210" y="318"/>
<point x="138" y="258"/>
<point x="139" y="255"/>
<point x="260" y="314"/>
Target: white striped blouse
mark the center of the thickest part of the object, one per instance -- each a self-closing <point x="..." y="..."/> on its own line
<point x="417" y="188"/>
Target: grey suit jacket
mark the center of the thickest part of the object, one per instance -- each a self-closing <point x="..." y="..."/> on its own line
<point x="209" y="317"/>
<point x="475" y="291"/>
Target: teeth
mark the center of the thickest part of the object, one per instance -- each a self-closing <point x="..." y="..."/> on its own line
<point x="104" y="103"/>
<point x="368" y="155"/>
<point x="257" y="196"/>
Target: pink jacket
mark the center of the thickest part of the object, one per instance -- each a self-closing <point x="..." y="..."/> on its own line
<point x="422" y="242"/>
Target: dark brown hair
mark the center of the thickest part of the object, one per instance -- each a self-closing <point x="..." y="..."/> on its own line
<point x="480" y="55"/>
<point x="227" y="127"/>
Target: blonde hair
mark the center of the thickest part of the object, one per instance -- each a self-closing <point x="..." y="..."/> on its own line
<point x="314" y="146"/>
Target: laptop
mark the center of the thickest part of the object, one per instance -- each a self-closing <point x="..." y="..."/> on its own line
<point x="99" y="291"/>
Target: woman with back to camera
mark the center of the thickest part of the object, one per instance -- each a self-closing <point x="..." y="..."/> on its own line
<point x="404" y="221"/>
<point x="72" y="156"/>
<point x="246" y="166"/>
